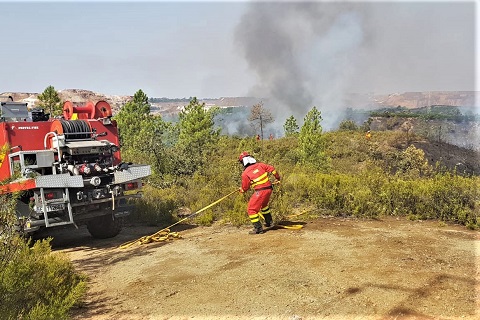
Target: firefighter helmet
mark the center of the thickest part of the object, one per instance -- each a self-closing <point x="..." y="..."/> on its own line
<point x="243" y="155"/>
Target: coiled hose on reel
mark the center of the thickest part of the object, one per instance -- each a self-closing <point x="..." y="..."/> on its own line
<point x="76" y="129"/>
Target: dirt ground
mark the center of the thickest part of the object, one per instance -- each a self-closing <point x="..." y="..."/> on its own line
<point x="332" y="268"/>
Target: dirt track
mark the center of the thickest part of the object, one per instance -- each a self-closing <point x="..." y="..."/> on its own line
<point x="331" y="269"/>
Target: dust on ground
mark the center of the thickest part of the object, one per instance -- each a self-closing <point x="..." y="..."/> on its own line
<point x="333" y="268"/>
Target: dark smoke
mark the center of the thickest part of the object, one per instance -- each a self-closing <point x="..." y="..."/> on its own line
<point x="309" y="54"/>
<point x="301" y="52"/>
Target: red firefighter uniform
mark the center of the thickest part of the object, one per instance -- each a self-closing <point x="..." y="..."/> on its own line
<point x="255" y="176"/>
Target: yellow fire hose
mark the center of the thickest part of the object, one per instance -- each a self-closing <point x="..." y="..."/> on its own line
<point x="283" y="225"/>
<point x="165" y="234"/>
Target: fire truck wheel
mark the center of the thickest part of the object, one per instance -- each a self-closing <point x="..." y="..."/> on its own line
<point x="104" y="227"/>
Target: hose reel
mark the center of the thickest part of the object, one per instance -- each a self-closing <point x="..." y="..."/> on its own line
<point x="72" y="129"/>
<point x="101" y="109"/>
<point x="62" y="131"/>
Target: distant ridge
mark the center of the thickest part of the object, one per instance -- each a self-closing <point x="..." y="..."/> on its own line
<point x="170" y="106"/>
<point x="76" y="96"/>
<point x="428" y="98"/>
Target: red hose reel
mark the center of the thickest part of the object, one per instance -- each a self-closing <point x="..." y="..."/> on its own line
<point x="101" y="109"/>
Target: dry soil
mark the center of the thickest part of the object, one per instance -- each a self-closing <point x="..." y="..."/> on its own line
<point x="332" y="268"/>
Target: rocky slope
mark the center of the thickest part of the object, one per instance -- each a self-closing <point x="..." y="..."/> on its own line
<point x="76" y="96"/>
<point x="429" y="98"/>
<point x="407" y="99"/>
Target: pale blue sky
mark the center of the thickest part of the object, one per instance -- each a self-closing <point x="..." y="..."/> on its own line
<point x="215" y="49"/>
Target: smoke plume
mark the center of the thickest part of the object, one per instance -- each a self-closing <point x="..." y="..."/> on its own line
<point x="320" y="53"/>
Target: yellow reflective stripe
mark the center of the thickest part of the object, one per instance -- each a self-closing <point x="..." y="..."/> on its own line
<point x="274" y="172"/>
<point x="260" y="180"/>
<point x="266" y="210"/>
<point x="263" y="176"/>
<point x="254" y="218"/>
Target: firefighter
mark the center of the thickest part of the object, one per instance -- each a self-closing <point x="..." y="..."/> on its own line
<point x="368" y="135"/>
<point x="255" y="175"/>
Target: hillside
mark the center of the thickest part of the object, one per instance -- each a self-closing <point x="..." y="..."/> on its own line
<point x="77" y="96"/>
<point x="171" y="106"/>
<point x="429" y="98"/>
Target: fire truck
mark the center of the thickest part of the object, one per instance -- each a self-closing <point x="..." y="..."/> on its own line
<point x="66" y="170"/>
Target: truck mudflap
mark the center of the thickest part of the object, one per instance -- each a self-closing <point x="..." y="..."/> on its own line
<point x="123" y="208"/>
<point x="133" y="172"/>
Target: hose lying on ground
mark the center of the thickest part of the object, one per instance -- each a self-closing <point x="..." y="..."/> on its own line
<point x="165" y="234"/>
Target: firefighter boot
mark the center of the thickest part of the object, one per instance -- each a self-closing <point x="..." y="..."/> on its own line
<point x="268" y="220"/>
<point x="257" y="228"/>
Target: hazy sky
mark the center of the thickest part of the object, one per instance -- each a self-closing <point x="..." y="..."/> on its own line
<point x="214" y="49"/>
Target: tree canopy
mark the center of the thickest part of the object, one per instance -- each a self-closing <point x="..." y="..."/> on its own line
<point x="259" y="117"/>
<point x="197" y="127"/>
<point x="291" y="127"/>
<point x="137" y="127"/>
<point x="196" y="136"/>
<point x="50" y="101"/>
<point x="311" y="140"/>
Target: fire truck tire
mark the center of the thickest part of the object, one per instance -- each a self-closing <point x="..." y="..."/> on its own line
<point x="104" y="227"/>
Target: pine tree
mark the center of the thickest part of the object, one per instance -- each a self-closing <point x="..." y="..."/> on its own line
<point x="197" y="127"/>
<point x="311" y="140"/>
<point x="138" y="128"/>
<point x="197" y="135"/>
<point x="291" y="127"/>
<point x="50" y="101"/>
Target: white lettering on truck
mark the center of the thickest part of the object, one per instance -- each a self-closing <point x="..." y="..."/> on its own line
<point x="27" y="128"/>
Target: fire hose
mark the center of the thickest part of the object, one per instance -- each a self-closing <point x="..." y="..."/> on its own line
<point x="165" y="233"/>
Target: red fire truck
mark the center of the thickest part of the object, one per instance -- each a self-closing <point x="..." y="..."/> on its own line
<point x="66" y="170"/>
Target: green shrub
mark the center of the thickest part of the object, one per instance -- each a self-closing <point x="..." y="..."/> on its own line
<point x="236" y="214"/>
<point x="445" y="197"/>
<point x="38" y="284"/>
<point x="156" y="206"/>
<point x="206" y="218"/>
<point x="360" y="182"/>
<point x="347" y="125"/>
